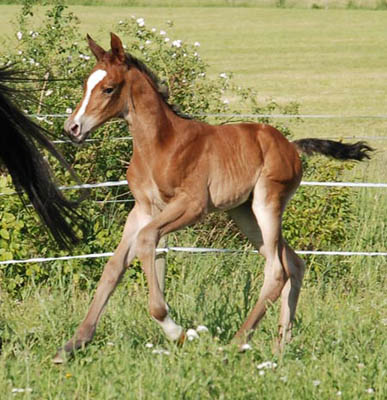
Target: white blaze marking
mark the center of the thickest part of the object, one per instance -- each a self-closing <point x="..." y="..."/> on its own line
<point x="92" y="82"/>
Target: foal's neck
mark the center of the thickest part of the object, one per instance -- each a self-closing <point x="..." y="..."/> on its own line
<point x="149" y="118"/>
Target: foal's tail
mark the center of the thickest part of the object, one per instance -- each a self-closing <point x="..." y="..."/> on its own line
<point x="342" y="151"/>
<point x="29" y="170"/>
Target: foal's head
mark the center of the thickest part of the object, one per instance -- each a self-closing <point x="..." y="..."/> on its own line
<point x="102" y="97"/>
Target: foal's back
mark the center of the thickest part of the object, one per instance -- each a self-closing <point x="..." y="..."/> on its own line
<point x="235" y="156"/>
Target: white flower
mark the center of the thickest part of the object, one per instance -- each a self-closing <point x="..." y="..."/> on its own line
<point x="48" y="92"/>
<point x="192" y="334"/>
<point x="267" y="365"/>
<point x="163" y="33"/>
<point x="370" y="391"/>
<point x="166" y="39"/>
<point x="148" y="42"/>
<point x="223" y="75"/>
<point x="21" y="390"/>
<point x="201" y="328"/>
<point x="19" y="35"/>
<point x="120" y="22"/>
<point x="196" y="54"/>
<point x="153" y="29"/>
<point x="69" y="110"/>
<point x="245" y="347"/>
<point x="176" y="43"/>
<point x="261" y="372"/>
<point x="140" y="21"/>
<point x="316" y="382"/>
<point x="149" y="345"/>
<point x="197" y="44"/>
<point x="338" y="393"/>
<point x="20" y="52"/>
<point x="161" y="351"/>
<point x="226" y="101"/>
<point x="110" y="343"/>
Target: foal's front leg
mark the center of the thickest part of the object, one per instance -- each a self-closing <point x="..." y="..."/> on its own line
<point x="111" y="275"/>
<point x="173" y="217"/>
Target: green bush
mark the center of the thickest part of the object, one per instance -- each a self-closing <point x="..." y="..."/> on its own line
<point x="316" y="218"/>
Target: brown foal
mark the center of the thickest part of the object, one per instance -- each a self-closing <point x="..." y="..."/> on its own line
<point x="182" y="169"/>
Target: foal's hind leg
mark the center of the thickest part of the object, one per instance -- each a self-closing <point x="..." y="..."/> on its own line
<point x="295" y="269"/>
<point x="245" y="220"/>
<point x="268" y="209"/>
<point x="111" y="275"/>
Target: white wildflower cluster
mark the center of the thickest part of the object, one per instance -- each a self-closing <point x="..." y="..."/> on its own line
<point x="176" y="43"/>
<point x="84" y="57"/>
<point x="161" y="351"/>
<point x="21" y="390"/>
<point x="245" y="347"/>
<point x="267" y="365"/>
<point x="19" y="35"/>
<point x="34" y="34"/>
<point x="140" y="22"/>
<point x="193" y="334"/>
<point x="223" y="75"/>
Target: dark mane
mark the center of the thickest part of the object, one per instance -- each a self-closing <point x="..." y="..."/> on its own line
<point x="161" y="88"/>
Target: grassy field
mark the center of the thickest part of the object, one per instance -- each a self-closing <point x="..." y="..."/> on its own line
<point x="331" y="62"/>
<point x="316" y="4"/>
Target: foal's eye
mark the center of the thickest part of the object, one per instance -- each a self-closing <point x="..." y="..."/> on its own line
<point x="108" y="90"/>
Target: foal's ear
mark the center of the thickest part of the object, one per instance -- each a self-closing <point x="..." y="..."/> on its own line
<point x="97" y="50"/>
<point x="117" y="47"/>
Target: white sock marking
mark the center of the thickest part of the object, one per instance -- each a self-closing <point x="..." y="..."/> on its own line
<point x="170" y="328"/>
<point x="92" y="82"/>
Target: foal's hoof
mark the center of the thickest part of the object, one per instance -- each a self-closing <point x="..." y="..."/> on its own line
<point x="60" y="357"/>
<point x="181" y="339"/>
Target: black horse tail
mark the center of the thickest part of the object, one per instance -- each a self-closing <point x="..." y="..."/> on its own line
<point x="342" y="151"/>
<point x="29" y="170"/>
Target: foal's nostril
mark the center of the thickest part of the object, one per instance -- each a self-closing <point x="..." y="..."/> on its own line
<point x="74" y="129"/>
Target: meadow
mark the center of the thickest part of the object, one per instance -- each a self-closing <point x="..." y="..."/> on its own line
<point x="331" y="62"/>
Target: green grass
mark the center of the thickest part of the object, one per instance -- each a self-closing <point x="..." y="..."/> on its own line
<point x="331" y="62"/>
<point x="339" y="340"/>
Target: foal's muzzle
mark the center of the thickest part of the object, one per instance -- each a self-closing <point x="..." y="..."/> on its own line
<point x="75" y="131"/>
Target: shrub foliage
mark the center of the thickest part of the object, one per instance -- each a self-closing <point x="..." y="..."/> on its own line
<point x="54" y="52"/>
